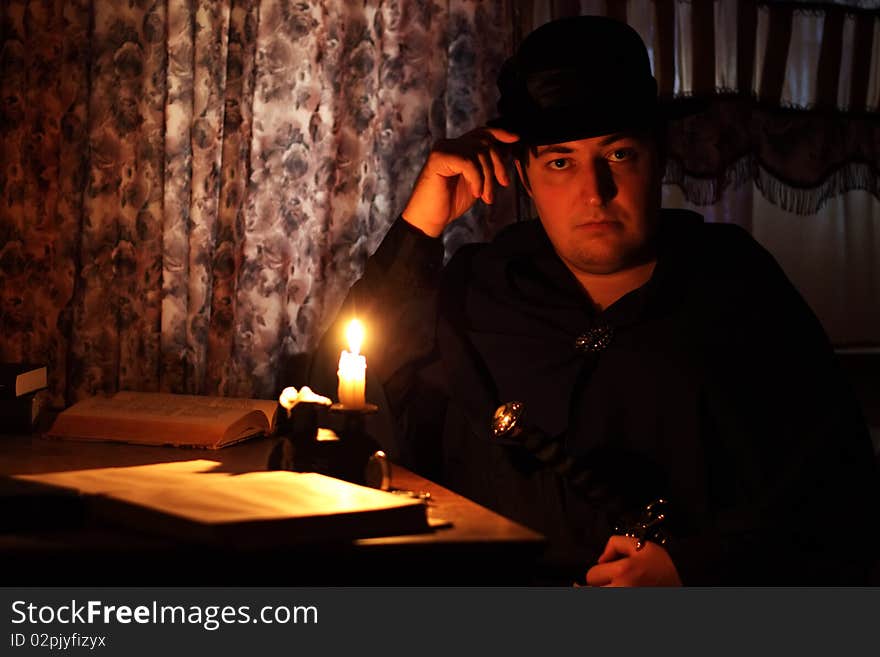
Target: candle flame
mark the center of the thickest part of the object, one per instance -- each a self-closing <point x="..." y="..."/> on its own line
<point x="354" y="333"/>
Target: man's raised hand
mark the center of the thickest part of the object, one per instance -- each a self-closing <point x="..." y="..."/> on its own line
<point x="457" y="173"/>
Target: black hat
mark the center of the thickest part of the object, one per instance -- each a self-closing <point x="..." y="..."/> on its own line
<point x="575" y="78"/>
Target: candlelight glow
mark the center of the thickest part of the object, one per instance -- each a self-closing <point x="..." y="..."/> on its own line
<point x="352" y="368"/>
<point x="354" y="333"/>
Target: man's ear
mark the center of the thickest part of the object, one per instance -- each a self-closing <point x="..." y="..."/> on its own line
<point x="523" y="178"/>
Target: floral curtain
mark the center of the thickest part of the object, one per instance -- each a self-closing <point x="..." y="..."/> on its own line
<point x="188" y="187"/>
<point x="790" y="91"/>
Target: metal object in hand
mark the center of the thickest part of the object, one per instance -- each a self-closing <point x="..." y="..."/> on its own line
<point x="648" y="526"/>
<point x="504" y="422"/>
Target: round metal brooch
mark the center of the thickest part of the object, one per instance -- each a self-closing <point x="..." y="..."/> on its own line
<point x="594" y="340"/>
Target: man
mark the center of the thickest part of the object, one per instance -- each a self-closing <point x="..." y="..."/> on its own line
<point x="643" y="356"/>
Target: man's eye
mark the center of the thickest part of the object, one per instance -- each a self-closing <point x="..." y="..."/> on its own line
<point x="558" y="164"/>
<point x="622" y="154"/>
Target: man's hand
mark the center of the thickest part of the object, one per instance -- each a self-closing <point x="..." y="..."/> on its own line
<point x="457" y="173"/>
<point x="622" y="565"/>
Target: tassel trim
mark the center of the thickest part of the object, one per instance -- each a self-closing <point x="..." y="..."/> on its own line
<point x="789" y="196"/>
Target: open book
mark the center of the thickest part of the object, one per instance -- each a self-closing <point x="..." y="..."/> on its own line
<point x="155" y="418"/>
<point x="190" y="500"/>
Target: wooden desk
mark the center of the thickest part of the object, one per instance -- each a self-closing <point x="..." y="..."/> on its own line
<point x="480" y="547"/>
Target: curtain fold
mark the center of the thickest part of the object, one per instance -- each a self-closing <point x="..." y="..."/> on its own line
<point x="234" y="175"/>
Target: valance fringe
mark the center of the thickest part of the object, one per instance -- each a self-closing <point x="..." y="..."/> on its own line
<point x="805" y="201"/>
<point x="701" y="190"/>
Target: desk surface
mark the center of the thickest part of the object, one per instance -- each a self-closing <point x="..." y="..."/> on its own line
<point x="479" y="547"/>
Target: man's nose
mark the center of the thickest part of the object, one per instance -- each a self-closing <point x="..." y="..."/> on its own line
<point x="597" y="183"/>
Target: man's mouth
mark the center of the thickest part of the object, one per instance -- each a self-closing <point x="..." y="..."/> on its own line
<point x="597" y="224"/>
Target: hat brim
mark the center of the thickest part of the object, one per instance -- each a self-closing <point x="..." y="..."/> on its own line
<point x="560" y="125"/>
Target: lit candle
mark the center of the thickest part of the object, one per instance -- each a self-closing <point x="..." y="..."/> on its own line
<point x="352" y="368"/>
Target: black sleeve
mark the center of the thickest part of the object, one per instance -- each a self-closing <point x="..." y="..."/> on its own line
<point x="795" y="482"/>
<point x="397" y="300"/>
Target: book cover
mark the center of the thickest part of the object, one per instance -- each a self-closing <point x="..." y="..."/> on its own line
<point x="188" y="500"/>
<point x="155" y="418"/>
<point x="17" y="379"/>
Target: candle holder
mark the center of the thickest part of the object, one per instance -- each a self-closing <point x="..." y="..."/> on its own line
<point x="360" y="457"/>
<point x="350" y="453"/>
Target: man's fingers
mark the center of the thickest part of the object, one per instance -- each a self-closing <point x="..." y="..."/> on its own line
<point x="464" y="167"/>
<point x="499" y="168"/>
<point x="488" y="177"/>
<point x="617" y="547"/>
<point x="474" y="175"/>
<point x="651" y="566"/>
<point x="602" y="574"/>
<point x="503" y="135"/>
<point x="477" y="157"/>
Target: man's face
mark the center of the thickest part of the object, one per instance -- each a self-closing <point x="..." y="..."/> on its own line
<point x="598" y="199"/>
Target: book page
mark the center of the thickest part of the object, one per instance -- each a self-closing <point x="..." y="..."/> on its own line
<point x="168" y="404"/>
<point x="165" y="418"/>
<point x="189" y="490"/>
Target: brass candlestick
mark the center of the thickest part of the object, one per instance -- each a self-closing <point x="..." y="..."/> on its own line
<point x="350" y="453"/>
